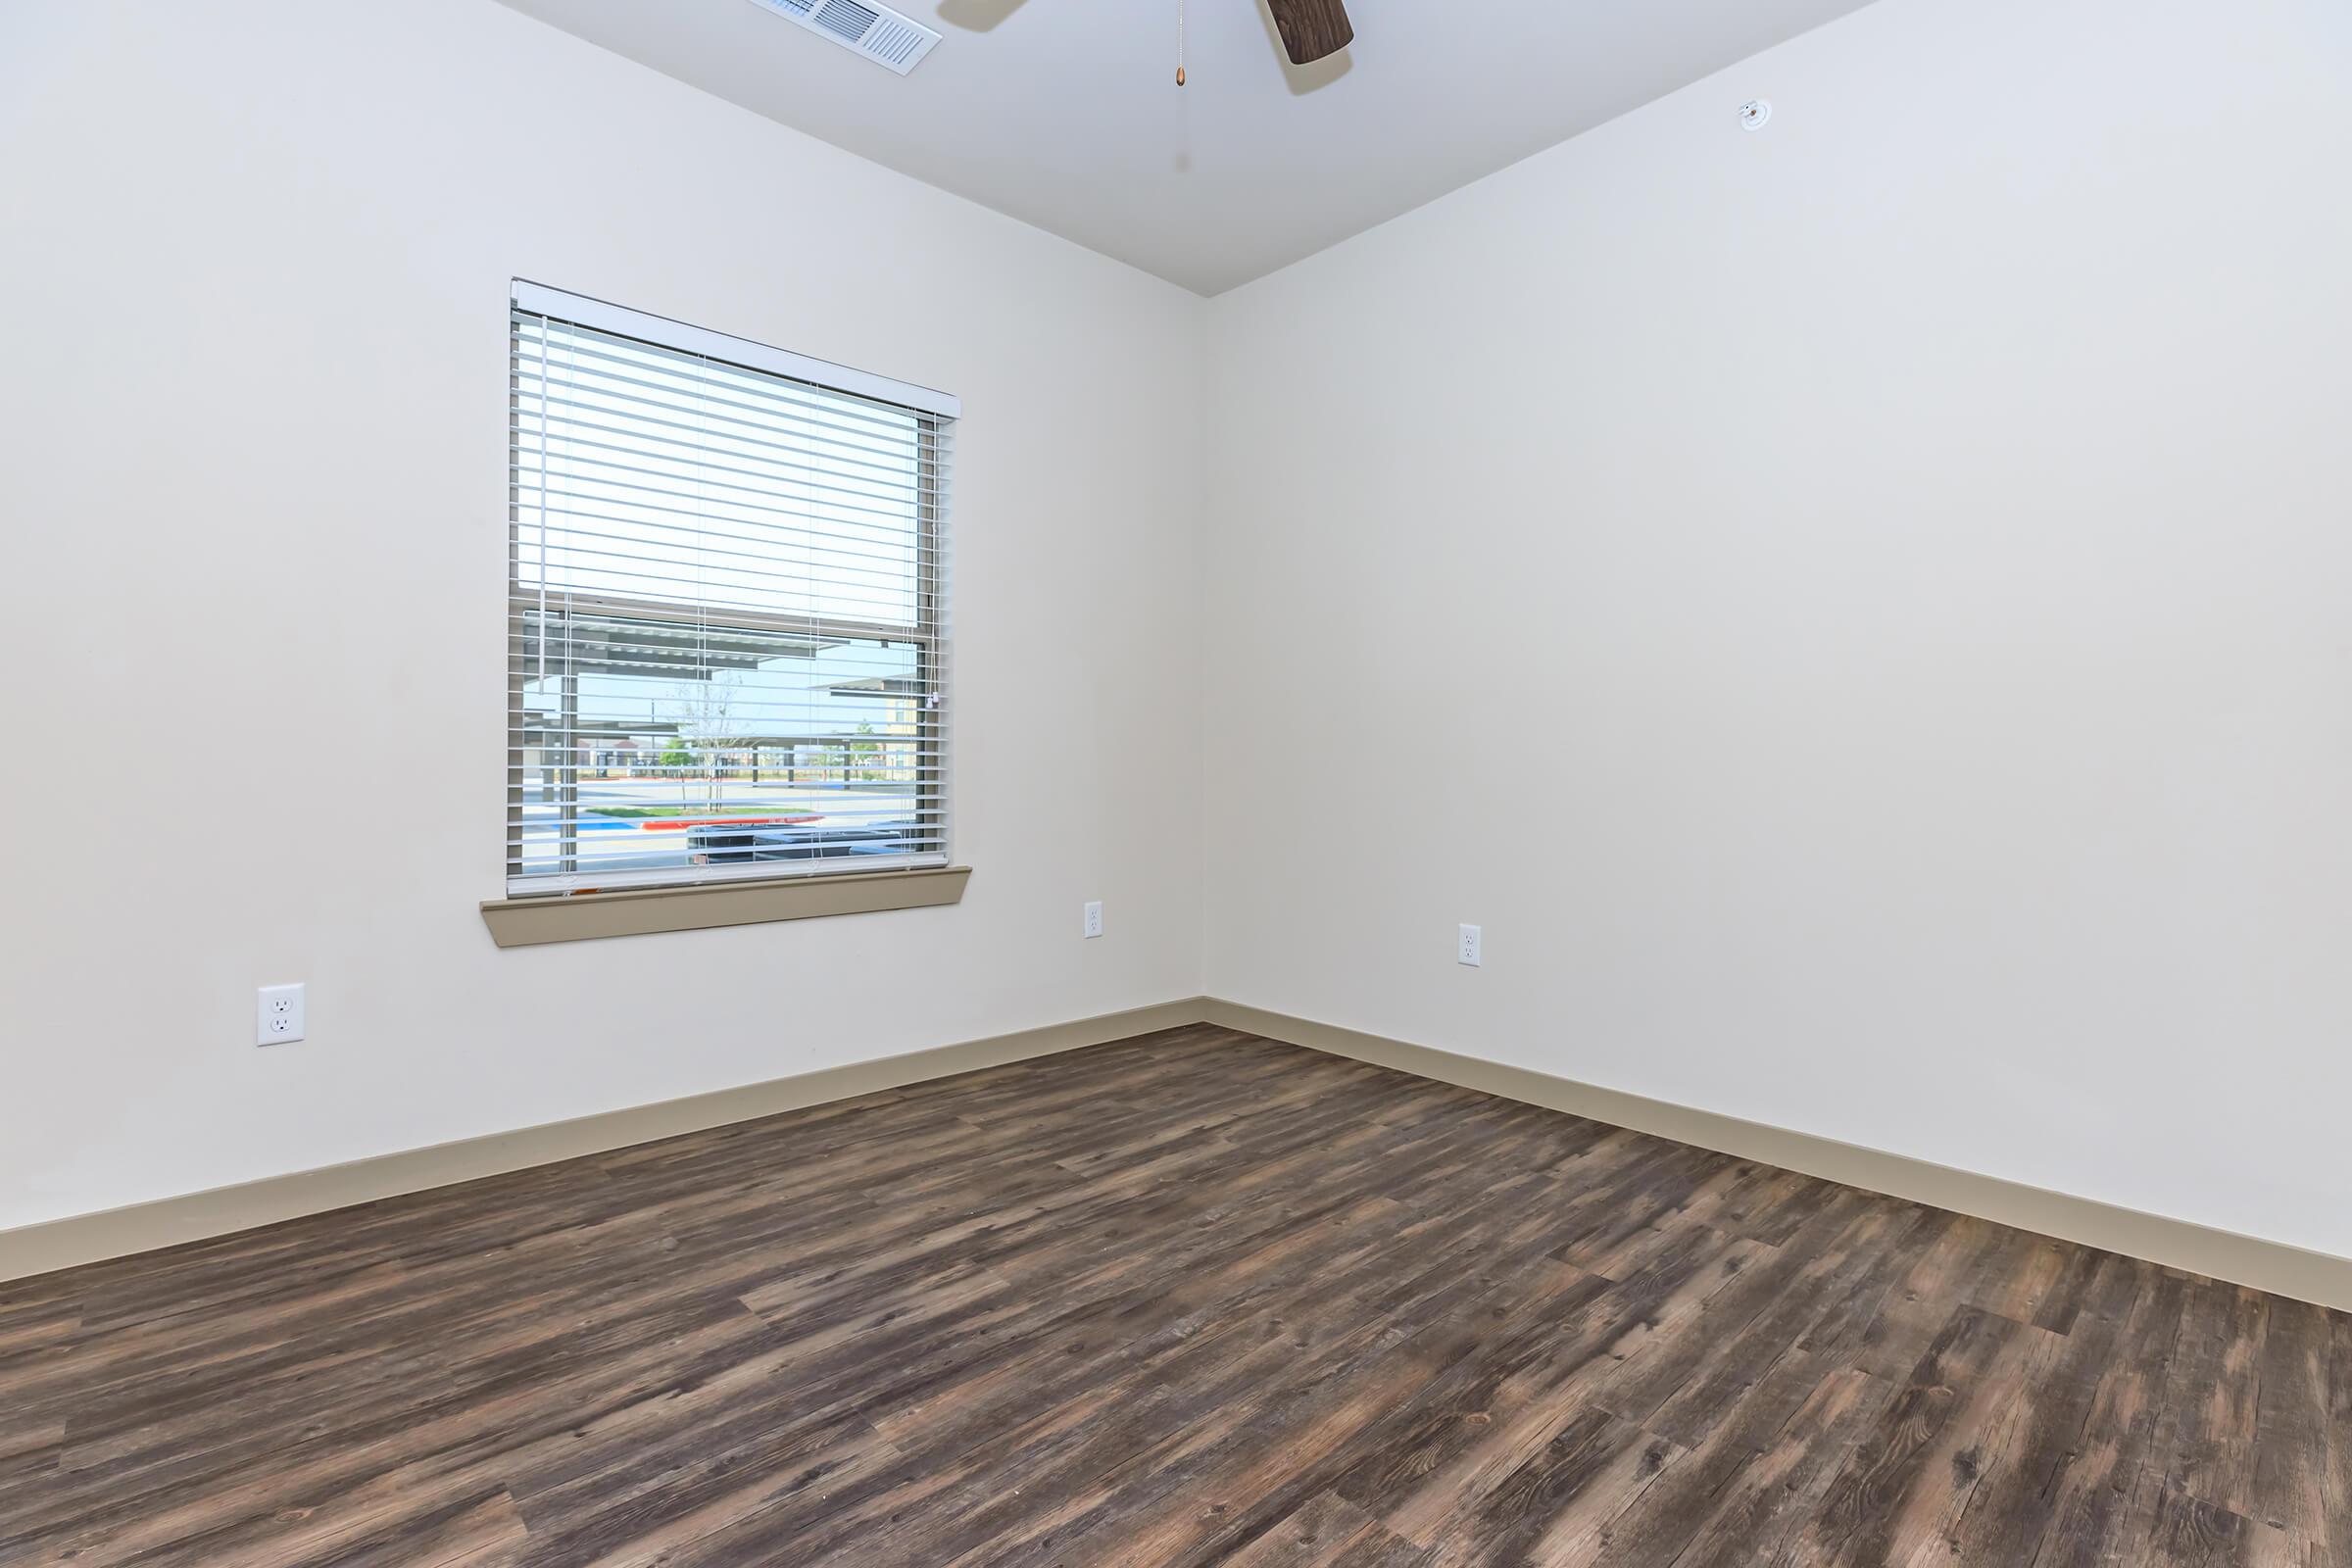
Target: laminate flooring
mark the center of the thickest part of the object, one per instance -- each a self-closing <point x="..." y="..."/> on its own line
<point x="1193" y="1298"/>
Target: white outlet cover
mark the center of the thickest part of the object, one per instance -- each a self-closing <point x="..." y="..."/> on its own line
<point x="1469" y="947"/>
<point x="1094" y="920"/>
<point x="277" y="1015"/>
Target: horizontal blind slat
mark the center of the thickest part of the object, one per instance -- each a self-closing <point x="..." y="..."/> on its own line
<point x="763" y="871"/>
<point x="842" y="459"/>
<point x="532" y="333"/>
<point x="733" y="536"/>
<point x="560" y="401"/>
<point x="850" y="499"/>
<point x="853" y="524"/>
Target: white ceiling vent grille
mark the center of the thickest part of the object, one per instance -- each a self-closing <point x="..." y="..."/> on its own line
<point x="874" y="30"/>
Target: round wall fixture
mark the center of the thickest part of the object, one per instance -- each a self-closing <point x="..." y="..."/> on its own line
<point x="1753" y="113"/>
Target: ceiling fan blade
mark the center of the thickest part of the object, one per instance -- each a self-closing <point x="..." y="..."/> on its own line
<point x="1311" y="28"/>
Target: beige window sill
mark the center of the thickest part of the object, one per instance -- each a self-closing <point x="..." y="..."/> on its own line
<point x="584" y="916"/>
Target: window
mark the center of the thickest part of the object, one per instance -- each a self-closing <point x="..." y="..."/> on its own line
<point x="725" y="650"/>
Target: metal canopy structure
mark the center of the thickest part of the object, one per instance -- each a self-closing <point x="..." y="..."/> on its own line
<point x="590" y="642"/>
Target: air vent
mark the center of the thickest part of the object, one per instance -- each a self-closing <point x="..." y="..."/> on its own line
<point x="845" y="19"/>
<point x="875" y="32"/>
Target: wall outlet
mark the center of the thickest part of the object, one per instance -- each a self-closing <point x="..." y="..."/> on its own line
<point x="279" y="1017"/>
<point x="1094" y="919"/>
<point x="1466" y="950"/>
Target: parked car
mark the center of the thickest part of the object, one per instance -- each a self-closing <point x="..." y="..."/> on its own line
<point x="719" y="844"/>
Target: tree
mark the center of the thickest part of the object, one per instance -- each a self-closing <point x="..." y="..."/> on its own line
<point x="698" y="747"/>
<point x="866" y="754"/>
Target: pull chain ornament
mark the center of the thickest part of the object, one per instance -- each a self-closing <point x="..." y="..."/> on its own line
<point x="1179" y="44"/>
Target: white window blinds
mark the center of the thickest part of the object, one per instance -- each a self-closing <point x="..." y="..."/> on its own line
<point x="726" y="652"/>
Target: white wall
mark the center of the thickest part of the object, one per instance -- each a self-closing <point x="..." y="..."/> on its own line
<point x="252" y="459"/>
<point x="1861" y="612"/>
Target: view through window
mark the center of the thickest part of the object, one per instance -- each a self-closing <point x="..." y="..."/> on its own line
<point x="725" y="651"/>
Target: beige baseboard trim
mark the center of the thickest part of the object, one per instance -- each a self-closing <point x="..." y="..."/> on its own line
<point x="2266" y="1265"/>
<point x="167" y="1222"/>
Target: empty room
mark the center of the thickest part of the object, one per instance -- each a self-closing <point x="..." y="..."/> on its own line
<point x="1149" y="783"/>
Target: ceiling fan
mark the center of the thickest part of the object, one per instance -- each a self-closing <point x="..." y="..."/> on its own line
<point x="1311" y="28"/>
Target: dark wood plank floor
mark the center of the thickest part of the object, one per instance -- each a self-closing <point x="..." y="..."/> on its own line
<point x="1195" y="1298"/>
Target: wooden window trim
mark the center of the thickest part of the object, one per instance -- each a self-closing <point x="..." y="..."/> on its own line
<point x="641" y="912"/>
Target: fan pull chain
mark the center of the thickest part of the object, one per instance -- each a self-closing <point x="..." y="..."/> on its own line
<point x="1179" y="44"/>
